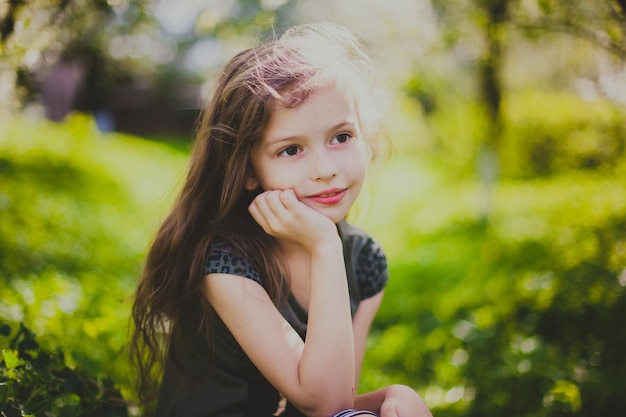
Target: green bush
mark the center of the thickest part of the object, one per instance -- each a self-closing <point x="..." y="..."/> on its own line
<point x="548" y="134"/>
<point x="544" y="134"/>
<point x="38" y="382"/>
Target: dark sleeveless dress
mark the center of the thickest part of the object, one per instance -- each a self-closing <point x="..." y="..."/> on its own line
<point x="234" y="387"/>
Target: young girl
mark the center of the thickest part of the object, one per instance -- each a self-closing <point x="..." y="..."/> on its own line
<point x="257" y="296"/>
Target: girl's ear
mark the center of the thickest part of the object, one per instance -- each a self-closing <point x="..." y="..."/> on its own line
<point x="251" y="183"/>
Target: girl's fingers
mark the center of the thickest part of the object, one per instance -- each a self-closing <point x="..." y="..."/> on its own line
<point x="275" y="204"/>
<point x="269" y="211"/>
<point x="282" y="215"/>
<point x="289" y="199"/>
<point x="265" y="205"/>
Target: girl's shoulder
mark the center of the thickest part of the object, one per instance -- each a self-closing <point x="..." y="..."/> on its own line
<point x="364" y="255"/>
<point x="358" y="241"/>
<point x="225" y="258"/>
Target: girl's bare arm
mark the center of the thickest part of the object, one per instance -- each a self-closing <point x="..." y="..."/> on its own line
<point x="361" y="324"/>
<point x="316" y="376"/>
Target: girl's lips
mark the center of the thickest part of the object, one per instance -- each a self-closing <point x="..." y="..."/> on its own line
<point x="329" y="197"/>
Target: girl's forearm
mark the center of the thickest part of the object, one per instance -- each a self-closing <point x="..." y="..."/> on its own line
<point x="327" y="364"/>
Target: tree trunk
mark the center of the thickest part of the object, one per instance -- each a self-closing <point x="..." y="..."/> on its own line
<point x="489" y="72"/>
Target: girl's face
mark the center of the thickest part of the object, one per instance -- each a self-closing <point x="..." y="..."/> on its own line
<point x="317" y="150"/>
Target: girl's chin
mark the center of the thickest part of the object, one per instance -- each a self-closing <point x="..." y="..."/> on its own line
<point x="334" y="217"/>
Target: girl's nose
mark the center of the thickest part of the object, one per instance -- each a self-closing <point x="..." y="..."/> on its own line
<point x="323" y="167"/>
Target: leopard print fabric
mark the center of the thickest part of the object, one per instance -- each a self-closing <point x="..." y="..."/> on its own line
<point x="369" y="262"/>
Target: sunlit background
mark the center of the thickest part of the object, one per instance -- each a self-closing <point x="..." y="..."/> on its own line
<point x="501" y="203"/>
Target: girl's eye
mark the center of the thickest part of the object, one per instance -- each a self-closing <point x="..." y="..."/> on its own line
<point x="289" y="151"/>
<point x="342" y="138"/>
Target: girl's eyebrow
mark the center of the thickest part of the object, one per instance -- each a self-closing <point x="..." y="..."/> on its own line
<point x="350" y="122"/>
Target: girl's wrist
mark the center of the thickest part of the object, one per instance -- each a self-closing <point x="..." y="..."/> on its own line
<point x="326" y="247"/>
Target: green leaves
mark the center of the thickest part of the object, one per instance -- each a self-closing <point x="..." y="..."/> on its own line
<point x="35" y="381"/>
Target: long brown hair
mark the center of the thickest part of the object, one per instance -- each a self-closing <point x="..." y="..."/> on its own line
<point x="213" y="201"/>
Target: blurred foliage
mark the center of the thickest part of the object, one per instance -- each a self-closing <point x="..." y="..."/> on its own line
<point x="133" y="43"/>
<point x="560" y="132"/>
<point x="505" y="298"/>
<point x="35" y="34"/>
<point x="30" y="27"/>
<point x="602" y="22"/>
<point x="546" y="134"/>
<point x="484" y="38"/>
<point x="37" y="382"/>
<point x="522" y="314"/>
<point x="78" y="210"/>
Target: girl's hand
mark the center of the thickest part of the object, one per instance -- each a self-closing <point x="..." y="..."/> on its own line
<point x="403" y="401"/>
<point x="282" y="215"/>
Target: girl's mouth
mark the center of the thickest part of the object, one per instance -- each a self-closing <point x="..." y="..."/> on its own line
<point x="329" y="197"/>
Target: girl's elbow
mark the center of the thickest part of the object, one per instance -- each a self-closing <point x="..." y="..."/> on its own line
<point x="325" y="411"/>
<point x="327" y="405"/>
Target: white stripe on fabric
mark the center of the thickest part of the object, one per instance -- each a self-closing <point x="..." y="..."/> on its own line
<point x="352" y="413"/>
